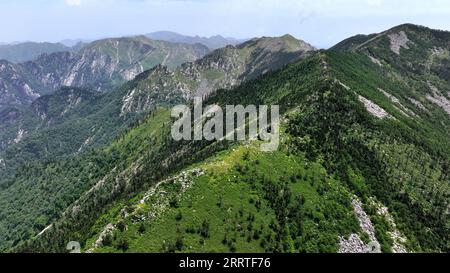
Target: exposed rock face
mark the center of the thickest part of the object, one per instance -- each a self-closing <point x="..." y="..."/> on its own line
<point x="375" y="60"/>
<point x="221" y="69"/>
<point x="439" y="99"/>
<point x="418" y="104"/>
<point x="185" y="179"/>
<point x="403" y="109"/>
<point x="101" y="65"/>
<point x="15" y="88"/>
<point x="108" y="231"/>
<point x="9" y="127"/>
<point x="46" y="112"/>
<point x="398" y="238"/>
<point x="53" y="107"/>
<point x="354" y="244"/>
<point x="20" y="134"/>
<point x="344" y="85"/>
<point x="439" y="52"/>
<point x="104" y="63"/>
<point x="45" y="230"/>
<point x="50" y="71"/>
<point x="398" y="41"/>
<point x="428" y="60"/>
<point x="364" y="220"/>
<point x="159" y="87"/>
<point x="374" y="109"/>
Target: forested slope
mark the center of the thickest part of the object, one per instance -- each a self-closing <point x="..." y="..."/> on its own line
<point x="304" y="197"/>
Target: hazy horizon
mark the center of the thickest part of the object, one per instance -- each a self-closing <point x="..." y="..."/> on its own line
<point x="322" y="23"/>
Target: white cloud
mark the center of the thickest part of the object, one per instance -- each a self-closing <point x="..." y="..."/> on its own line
<point x="73" y="3"/>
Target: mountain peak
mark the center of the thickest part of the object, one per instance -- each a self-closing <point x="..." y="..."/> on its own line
<point x="285" y="43"/>
<point x="409" y="27"/>
<point x="288" y="37"/>
<point x="399" y="37"/>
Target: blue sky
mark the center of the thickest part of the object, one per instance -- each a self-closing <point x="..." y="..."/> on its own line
<point x="320" y="22"/>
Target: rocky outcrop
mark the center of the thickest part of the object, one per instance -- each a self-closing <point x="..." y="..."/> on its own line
<point x="418" y="104"/>
<point x="106" y="233"/>
<point x="354" y="244"/>
<point x="399" y="106"/>
<point x="15" y="87"/>
<point x="158" y="88"/>
<point x="101" y="65"/>
<point x="398" y="41"/>
<point x="374" y="109"/>
<point x="375" y="60"/>
<point x="160" y="202"/>
<point x="438" y="98"/>
<point x="224" y="68"/>
<point x="364" y="220"/>
<point x="397" y="237"/>
<point x="20" y="135"/>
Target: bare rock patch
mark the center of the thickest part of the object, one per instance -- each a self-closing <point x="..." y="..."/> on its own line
<point x="438" y="98"/>
<point x="374" y="109"/>
<point x="418" y="104"/>
<point x="398" y="41"/>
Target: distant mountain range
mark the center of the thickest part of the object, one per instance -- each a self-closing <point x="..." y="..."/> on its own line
<point x="22" y="52"/>
<point x="165" y="83"/>
<point x="75" y="42"/>
<point x="91" y="119"/>
<point x="100" y="65"/>
<point x="223" y="68"/>
<point x="363" y="159"/>
<point x="18" y="52"/>
<point x="29" y="70"/>
<point x="213" y="42"/>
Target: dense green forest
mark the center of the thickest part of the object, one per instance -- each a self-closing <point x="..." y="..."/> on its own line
<point x="358" y="127"/>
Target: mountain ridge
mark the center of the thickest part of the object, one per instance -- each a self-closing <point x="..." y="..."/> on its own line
<point x="28" y="51"/>
<point x="363" y="158"/>
<point x="101" y="65"/>
<point x="341" y="148"/>
<point x="86" y="132"/>
<point x="160" y="85"/>
<point x="221" y="69"/>
<point x="213" y="42"/>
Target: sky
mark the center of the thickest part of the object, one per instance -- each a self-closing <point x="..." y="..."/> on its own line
<point x="322" y="23"/>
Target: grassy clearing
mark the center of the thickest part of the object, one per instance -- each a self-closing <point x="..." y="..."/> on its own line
<point x="232" y="208"/>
